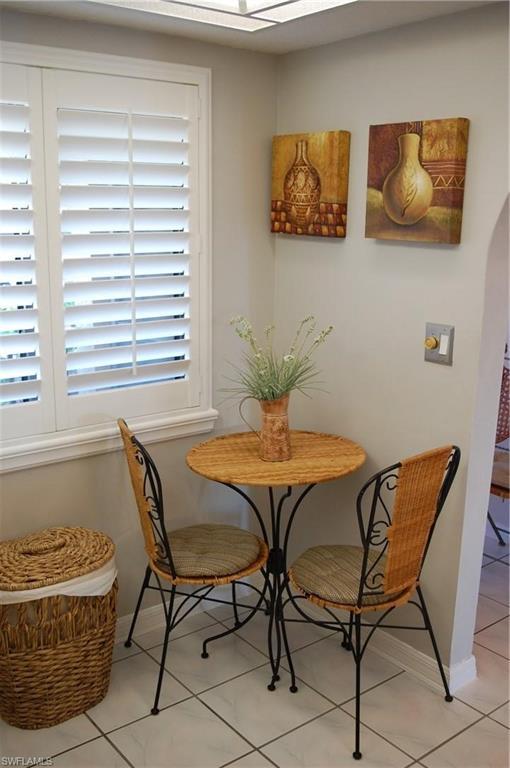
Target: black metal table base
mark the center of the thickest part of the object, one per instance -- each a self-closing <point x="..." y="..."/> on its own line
<point x="275" y="573"/>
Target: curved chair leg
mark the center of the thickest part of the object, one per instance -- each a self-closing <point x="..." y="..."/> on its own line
<point x="448" y="696"/>
<point x="155" y="710"/>
<point x="145" y="584"/>
<point x="237" y="625"/>
<point x="495" y="528"/>
<point x="357" y="659"/>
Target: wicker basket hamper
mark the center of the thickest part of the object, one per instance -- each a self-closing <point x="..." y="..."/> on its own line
<point x="55" y="651"/>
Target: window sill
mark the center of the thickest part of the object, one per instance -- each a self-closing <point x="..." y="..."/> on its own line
<point x="103" y="438"/>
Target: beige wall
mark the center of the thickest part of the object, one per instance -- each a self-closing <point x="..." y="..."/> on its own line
<point x="94" y="491"/>
<point x="380" y="294"/>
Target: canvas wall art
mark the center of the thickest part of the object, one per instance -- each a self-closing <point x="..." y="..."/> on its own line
<point x="416" y="174"/>
<point x="309" y="183"/>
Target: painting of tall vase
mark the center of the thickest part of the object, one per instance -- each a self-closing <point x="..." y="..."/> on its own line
<point x="309" y="184"/>
<point x="416" y="175"/>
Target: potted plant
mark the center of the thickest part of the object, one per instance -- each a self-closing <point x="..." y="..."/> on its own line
<point x="270" y="377"/>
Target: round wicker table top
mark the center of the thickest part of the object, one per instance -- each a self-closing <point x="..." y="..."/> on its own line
<point x="316" y="458"/>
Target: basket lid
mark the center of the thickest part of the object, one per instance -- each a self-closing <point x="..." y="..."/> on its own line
<point x="51" y="556"/>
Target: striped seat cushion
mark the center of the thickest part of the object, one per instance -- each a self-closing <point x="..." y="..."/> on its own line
<point x="212" y="550"/>
<point x="332" y="573"/>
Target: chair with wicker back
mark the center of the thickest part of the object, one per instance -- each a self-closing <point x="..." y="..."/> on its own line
<point x="384" y="572"/>
<point x="500" y="482"/>
<point x="200" y="556"/>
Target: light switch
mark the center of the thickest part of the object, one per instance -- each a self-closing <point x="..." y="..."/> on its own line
<point x="443" y="344"/>
<point x="439" y="343"/>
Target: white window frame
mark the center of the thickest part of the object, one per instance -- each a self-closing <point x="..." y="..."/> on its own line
<point x="24" y="452"/>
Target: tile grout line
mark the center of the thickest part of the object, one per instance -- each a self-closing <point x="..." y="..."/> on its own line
<point x="471" y="706"/>
<point x="499" y="602"/>
<point x="380" y="735"/>
<point x="258" y="749"/>
<point x="482" y="629"/>
<point x="446" y="741"/>
<point x="187" y="634"/>
<point x="333" y="708"/>
<point x="105" y="736"/>
<point x="480" y="645"/>
<point x="81" y="744"/>
<point x="294" y="650"/>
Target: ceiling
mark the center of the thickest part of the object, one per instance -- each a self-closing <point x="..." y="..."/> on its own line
<point x="356" y="18"/>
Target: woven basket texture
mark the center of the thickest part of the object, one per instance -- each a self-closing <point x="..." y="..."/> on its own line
<point x="55" y="652"/>
<point x="51" y="556"/>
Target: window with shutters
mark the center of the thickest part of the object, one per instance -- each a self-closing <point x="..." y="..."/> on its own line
<point x="104" y="295"/>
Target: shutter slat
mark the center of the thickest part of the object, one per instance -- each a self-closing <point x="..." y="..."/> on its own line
<point x="123" y="355"/>
<point x="113" y="172"/>
<point x="16" y="271"/>
<point x="82" y="338"/>
<point x="114" y="312"/>
<point x="14" y="196"/>
<point x="88" y="222"/>
<point x="93" y="148"/>
<point x="16" y="223"/>
<point x="17" y="296"/>
<point x="24" y="366"/>
<point x="97" y="197"/>
<point x="15" y="170"/>
<point x="81" y="270"/>
<point x="18" y="343"/>
<point x="17" y="320"/>
<point x="95" y="382"/>
<point x="16" y="246"/>
<point x="14" y="117"/>
<point x="20" y="391"/>
<point x="160" y="128"/>
<point x="99" y="290"/>
<point x="80" y="122"/>
<point x="118" y="243"/>
<point x="14" y="144"/>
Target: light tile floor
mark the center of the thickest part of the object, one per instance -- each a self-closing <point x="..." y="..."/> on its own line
<point x="217" y="712"/>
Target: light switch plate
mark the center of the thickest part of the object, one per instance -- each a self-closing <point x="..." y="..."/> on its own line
<point x="436" y="355"/>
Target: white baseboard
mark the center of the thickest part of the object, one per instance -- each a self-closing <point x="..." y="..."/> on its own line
<point x="388" y="646"/>
<point x="421" y="665"/>
<point x="148" y="618"/>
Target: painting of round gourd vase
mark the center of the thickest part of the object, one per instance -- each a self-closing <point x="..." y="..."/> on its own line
<point x="309" y="184"/>
<point x="416" y="174"/>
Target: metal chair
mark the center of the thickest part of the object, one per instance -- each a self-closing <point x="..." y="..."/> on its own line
<point x="384" y="572"/>
<point x="203" y="556"/>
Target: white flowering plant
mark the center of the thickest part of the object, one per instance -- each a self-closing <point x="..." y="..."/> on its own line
<point x="269" y="376"/>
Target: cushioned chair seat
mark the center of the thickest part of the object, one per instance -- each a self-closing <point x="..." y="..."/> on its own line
<point x="332" y="573"/>
<point x="211" y="550"/>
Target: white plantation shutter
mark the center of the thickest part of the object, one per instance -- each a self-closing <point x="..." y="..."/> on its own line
<point x="124" y="228"/>
<point x="26" y="405"/>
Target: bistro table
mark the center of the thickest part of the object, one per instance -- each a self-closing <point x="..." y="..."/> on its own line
<point x="233" y="460"/>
